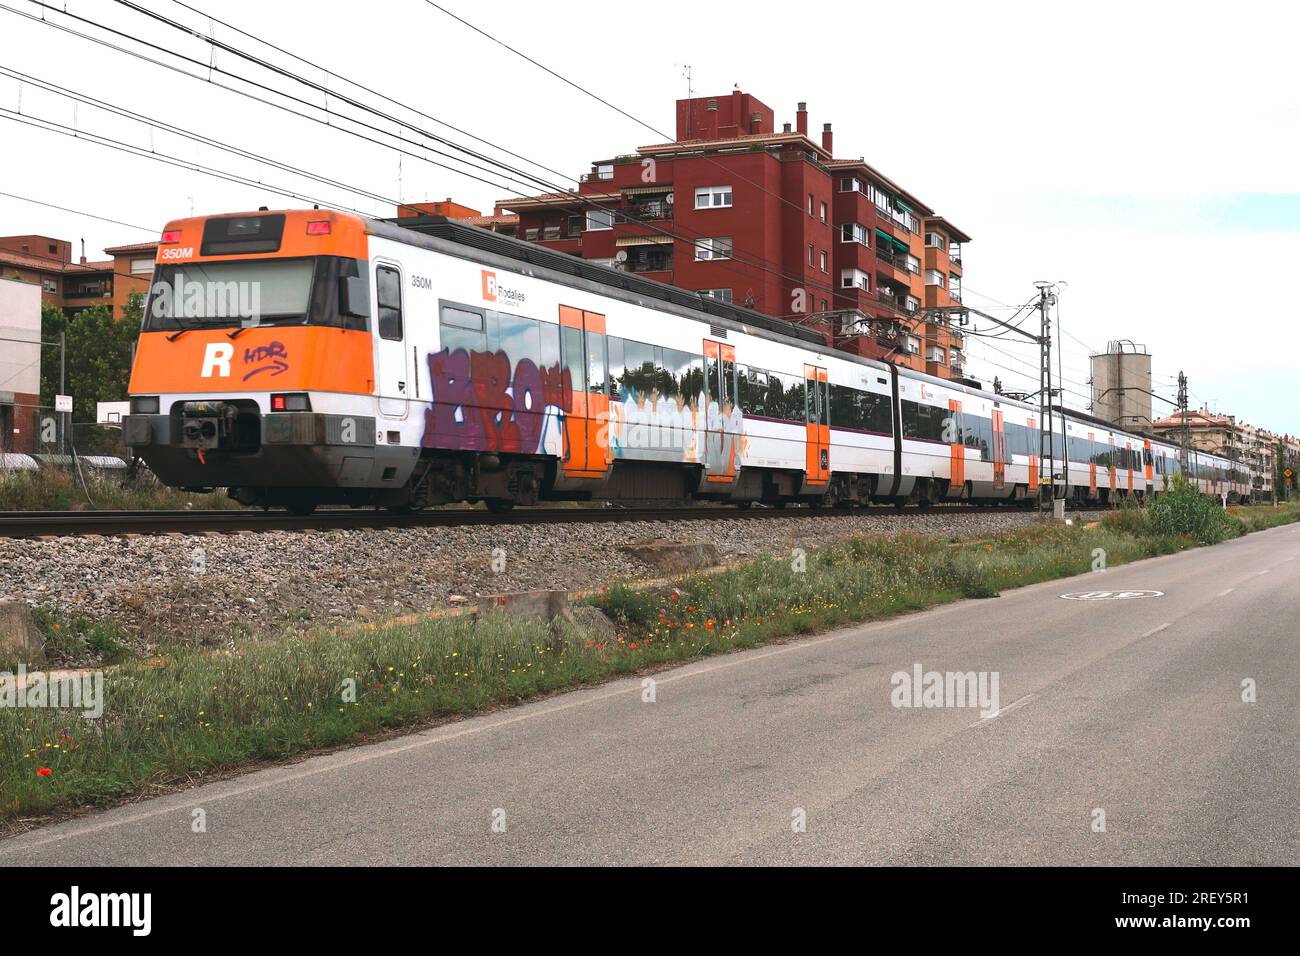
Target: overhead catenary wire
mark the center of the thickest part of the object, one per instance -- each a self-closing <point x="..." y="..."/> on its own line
<point x="761" y="265"/>
<point x="79" y="212"/>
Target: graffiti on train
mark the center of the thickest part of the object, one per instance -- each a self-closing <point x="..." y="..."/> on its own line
<point x="481" y="402"/>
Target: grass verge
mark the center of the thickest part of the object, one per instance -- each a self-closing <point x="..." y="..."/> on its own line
<point x="58" y="489"/>
<point x="201" y="713"/>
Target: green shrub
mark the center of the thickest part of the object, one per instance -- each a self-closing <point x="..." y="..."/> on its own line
<point x="1181" y="510"/>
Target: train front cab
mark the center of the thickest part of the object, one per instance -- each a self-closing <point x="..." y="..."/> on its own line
<point x="256" y="368"/>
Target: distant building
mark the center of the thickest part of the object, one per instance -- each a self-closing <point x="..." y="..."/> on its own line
<point x="75" y="286"/>
<point x="737" y="210"/>
<point x="500" y="221"/>
<point x="1255" y="447"/>
<point x="20" y="363"/>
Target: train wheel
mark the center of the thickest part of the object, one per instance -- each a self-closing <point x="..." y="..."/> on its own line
<point x="300" y="508"/>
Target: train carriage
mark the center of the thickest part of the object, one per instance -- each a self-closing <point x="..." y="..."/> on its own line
<point x="310" y="356"/>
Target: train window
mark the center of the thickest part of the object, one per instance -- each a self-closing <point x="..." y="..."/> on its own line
<point x="878" y="414"/>
<point x="461" y="329"/>
<point x="596" y="362"/>
<point x="751" y="390"/>
<point x="639" y="369"/>
<point x="923" y="421"/>
<point x="516" y="336"/>
<point x="389" y="286"/>
<point x="617" y="371"/>
<point x="550" y="345"/>
<point x="575" y="363"/>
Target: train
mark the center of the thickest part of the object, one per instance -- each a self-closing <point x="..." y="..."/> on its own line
<point x="308" y="357"/>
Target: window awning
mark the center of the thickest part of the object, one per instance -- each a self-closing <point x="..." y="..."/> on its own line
<point x="896" y="243"/>
<point x="643" y="241"/>
<point x="647" y="190"/>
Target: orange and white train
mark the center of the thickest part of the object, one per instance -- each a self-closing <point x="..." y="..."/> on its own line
<point x="307" y="356"/>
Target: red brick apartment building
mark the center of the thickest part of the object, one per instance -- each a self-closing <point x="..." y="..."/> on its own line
<point x="74" y="286"/>
<point x="768" y="219"/>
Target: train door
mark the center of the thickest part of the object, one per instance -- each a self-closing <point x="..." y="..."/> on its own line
<point x="999" y="451"/>
<point x="1114" y="484"/>
<point x="1092" y="465"/>
<point x="585" y="365"/>
<point x="1147" y="477"/>
<point x="816" y="405"/>
<point x="392" y="373"/>
<point x="721" y="438"/>
<point x="1035" y="453"/>
<point x="956" y="452"/>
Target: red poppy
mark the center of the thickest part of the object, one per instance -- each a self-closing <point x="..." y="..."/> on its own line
<point x="632" y="645"/>
<point x="43" y="771"/>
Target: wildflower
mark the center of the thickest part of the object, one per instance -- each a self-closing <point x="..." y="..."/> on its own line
<point x="43" y="771"/>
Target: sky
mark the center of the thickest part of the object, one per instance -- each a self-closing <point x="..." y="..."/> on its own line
<point x="1142" y="155"/>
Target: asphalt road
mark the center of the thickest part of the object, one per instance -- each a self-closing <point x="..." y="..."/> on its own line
<point x="1131" y="707"/>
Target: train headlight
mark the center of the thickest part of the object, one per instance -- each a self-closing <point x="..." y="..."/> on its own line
<point x="144" y="405"/>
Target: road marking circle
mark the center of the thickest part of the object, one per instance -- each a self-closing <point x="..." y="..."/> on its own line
<point x="1110" y="595"/>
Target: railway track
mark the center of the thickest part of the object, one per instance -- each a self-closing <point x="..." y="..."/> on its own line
<point x="41" y="524"/>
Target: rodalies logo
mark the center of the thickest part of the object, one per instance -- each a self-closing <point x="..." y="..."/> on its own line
<point x="494" y="291"/>
<point x="74" y="909"/>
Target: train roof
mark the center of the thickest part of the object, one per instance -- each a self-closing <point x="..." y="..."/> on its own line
<point x="520" y="250"/>
<point x="529" y="253"/>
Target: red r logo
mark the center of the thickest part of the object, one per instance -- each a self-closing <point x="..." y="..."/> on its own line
<point x="489" y="285"/>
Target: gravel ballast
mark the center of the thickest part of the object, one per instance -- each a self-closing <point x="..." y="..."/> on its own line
<point x="213" y="589"/>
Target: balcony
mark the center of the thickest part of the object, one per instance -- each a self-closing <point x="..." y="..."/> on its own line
<point x="649" y="211"/>
<point x="648" y="264"/>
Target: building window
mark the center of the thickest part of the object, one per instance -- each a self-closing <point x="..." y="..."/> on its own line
<point x="551" y="230"/>
<point x="141" y="267"/>
<point x="850" y="184"/>
<point x="823" y="261"/>
<point x="605" y="171"/>
<point x="810" y="204"/>
<point x="532" y="234"/>
<point x="934" y="354"/>
<point x="810" y="253"/>
<point x="823" y="212"/>
<point x="911" y="304"/>
<point x="709" y="249"/>
<point x="50" y="286"/>
<point x="912" y="344"/>
<point x="913" y="264"/>
<point x="712" y="197"/>
<point x="855" y="279"/>
<point x="854" y="232"/>
<point x="935" y="241"/>
<point x="600" y="219"/>
<point x="935" y="277"/>
<point x="722" y="295"/>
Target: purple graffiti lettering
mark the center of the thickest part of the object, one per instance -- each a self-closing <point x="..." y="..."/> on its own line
<point x="479" y="404"/>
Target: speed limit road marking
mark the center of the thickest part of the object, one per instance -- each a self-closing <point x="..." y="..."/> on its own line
<point x="1110" y="595"/>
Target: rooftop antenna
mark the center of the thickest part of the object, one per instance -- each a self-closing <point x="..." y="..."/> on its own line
<point x="690" y="94"/>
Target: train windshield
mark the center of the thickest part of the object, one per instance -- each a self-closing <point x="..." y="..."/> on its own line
<point x="320" y="290"/>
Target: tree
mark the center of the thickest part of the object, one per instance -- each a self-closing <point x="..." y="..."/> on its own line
<point x="99" y="349"/>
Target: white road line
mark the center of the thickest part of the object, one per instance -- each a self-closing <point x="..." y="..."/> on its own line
<point x="1262" y="573"/>
<point x="1157" y="630"/>
<point x="1225" y="593"/>
<point x="1005" y="710"/>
